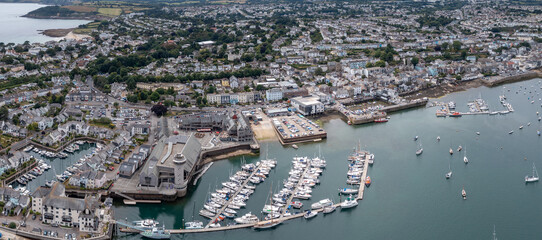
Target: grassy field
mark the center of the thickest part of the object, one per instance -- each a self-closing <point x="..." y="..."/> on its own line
<point x="111" y="12"/>
<point x="87" y="29"/>
<point x="78" y="8"/>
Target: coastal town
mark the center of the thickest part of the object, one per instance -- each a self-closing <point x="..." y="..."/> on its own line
<point x="147" y="101"/>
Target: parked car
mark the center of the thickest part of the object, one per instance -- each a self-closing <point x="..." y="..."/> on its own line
<point x="54" y="224"/>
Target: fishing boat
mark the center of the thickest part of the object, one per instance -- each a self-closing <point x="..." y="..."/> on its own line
<point x="349" y="202"/>
<point x="156" y="233"/>
<point x="310" y="214"/>
<point x="368" y="181"/>
<point x="420" y="150"/>
<point x="464" y="194"/>
<point x="532" y="178"/>
<point x="329" y="209"/>
<point x="348" y="190"/>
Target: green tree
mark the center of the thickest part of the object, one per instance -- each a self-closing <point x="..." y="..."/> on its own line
<point x="155" y="96"/>
<point x="143" y="96"/>
<point x="456" y="45"/>
<point x="32" y="127"/>
<point x="414" y="61"/>
<point x="132" y="98"/>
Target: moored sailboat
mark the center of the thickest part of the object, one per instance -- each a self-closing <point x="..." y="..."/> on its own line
<point x="533" y="177"/>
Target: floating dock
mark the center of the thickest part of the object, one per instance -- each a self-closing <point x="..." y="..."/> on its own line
<point x="221" y="210"/>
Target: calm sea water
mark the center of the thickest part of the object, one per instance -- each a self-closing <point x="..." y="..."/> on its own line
<point x="409" y="197"/>
<point x="17" y="29"/>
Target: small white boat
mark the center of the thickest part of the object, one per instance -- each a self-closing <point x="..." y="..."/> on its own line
<point x="295" y="146"/>
<point x="310" y="214"/>
<point x="521" y="127"/>
<point x="477" y="133"/>
<point x="438" y="138"/>
<point x="464" y="194"/>
<point x="420" y="150"/>
<point x="511" y="132"/>
<point x="214" y="225"/>
<point x="322" y="203"/>
<point x="193" y="225"/>
<point x="329" y="209"/>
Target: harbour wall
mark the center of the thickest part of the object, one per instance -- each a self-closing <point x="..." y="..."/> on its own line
<point x="492" y="82"/>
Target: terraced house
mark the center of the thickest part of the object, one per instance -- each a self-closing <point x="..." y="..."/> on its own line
<point x="55" y="207"/>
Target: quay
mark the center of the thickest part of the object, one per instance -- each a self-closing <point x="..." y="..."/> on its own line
<point x="233" y="196"/>
<point x="296" y="129"/>
<point x="363" y="176"/>
<point x="356" y="119"/>
<point x="289" y="202"/>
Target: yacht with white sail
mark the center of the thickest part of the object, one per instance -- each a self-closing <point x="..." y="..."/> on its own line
<point x="532" y="178"/>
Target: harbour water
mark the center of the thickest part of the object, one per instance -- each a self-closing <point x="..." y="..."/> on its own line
<point x="409" y="197"/>
<point x="58" y="165"/>
<point x="18" y="29"/>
